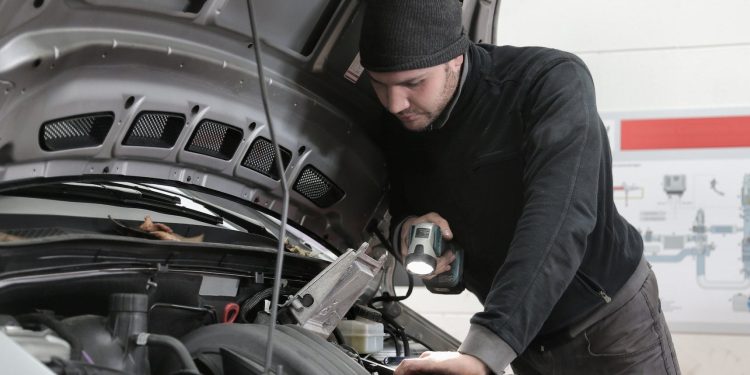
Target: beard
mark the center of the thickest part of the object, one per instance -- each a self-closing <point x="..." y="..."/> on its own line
<point x="446" y="94"/>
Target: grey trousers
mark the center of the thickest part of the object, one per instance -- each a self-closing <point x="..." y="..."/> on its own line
<point x="634" y="339"/>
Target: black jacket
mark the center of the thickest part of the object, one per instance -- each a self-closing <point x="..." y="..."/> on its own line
<point x="522" y="172"/>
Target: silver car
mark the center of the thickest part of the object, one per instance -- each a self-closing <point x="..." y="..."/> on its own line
<point x="142" y="193"/>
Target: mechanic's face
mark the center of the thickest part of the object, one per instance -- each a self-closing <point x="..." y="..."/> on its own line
<point x="417" y="97"/>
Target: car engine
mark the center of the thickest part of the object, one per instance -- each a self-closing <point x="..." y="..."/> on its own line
<point x="174" y="321"/>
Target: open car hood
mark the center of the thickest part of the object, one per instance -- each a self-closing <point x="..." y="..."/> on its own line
<point x="168" y="91"/>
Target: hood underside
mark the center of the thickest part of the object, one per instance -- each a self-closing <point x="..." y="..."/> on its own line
<point x="169" y="91"/>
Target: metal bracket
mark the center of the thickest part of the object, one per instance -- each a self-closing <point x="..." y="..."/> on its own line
<point x="321" y="304"/>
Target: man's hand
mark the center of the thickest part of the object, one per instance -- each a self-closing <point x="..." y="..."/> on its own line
<point x="444" y="261"/>
<point x="443" y="363"/>
<point x="164" y="232"/>
<point x="149" y="226"/>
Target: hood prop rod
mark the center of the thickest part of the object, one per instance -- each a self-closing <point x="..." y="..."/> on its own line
<point x="284" y="188"/>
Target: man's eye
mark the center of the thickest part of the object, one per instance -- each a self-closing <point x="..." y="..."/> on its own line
<point x="413" y="84"/>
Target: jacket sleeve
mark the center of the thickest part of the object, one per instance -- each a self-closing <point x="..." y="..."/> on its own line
<point x="562" y="156"/>
<point x="488" y="348"/>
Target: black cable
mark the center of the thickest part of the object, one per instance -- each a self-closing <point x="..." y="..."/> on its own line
<point x="367" y="312"/>
<point x="170" y="342"/>
<point x="339" y="336"/>
<point x="405" y="339"/>
<point x="355" y="352"/>
<point x="395" y="341"/>
<point x="373" y="228"/>
<point x="401" y="332"/>
<point x="388" y="298"/>
<point x="206" y="309"/>
<point x="253" y="301"/>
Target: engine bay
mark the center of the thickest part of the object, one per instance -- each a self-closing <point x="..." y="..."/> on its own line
<point x="82" y="325"/>
<point x="175" y="320"/>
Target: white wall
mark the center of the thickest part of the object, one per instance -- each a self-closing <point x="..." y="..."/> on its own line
<point x="667" y="54"/>
<point x="644" y="55"/>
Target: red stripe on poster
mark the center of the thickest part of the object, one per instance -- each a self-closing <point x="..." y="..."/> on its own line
<point x="664" y="134"/>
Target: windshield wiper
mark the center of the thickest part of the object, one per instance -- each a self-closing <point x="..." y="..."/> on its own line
<point x="147" y="193"/>
<point x="118" y="195"/>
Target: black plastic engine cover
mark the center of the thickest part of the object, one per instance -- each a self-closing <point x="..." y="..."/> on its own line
<point x="298" y="351"/>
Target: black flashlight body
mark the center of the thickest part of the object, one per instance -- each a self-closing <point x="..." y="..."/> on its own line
<point x="451" y="281"/>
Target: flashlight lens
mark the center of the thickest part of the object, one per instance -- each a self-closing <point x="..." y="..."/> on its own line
<point x="418" y="267"/>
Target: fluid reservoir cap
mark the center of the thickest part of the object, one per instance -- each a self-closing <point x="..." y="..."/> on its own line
<point x="128" y="302"/>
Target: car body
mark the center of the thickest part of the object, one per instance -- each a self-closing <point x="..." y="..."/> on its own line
<point x="115" y="111"/>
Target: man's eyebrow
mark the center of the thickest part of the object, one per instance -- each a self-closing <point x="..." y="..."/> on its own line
<point x="402" y="82"/>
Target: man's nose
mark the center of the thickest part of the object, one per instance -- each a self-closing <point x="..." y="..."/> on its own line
<point x="397" y="100"/>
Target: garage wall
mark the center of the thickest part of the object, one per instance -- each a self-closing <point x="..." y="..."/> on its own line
<point x="668" y="54"/>
<point x="645" y="56"/>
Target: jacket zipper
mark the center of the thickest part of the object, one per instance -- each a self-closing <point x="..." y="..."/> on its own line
<point x="593" y="286"/>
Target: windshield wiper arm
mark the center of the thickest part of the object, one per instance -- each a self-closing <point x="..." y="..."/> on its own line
<point x="121" y="195"/>
<point x="147" y="193"/>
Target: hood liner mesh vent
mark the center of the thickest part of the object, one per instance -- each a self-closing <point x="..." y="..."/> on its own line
<point x="317" y="187"/>
<point x="261" y="157"/>
<point x="215" y="139"/>
<point x="155" y="129"/>
<point x="87" y="130"/>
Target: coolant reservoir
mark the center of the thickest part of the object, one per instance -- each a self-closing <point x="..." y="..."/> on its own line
<point x="43" y="345"/>
<point x="365" y="336"/>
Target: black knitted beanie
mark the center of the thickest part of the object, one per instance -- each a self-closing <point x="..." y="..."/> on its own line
<point x="410" y="34"/>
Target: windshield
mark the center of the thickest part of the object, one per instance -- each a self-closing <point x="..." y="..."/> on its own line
<point x="141" y="210"/>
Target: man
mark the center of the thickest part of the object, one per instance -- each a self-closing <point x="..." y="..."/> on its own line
<point x="503" y="148"/>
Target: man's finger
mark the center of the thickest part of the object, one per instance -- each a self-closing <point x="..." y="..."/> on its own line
<point x="164" y="235"/>
<point x="438" y="270"/>
<point x="443" y="265"/>
<point x="147" y="224"/>
<point x="449" y="256"/>
<point x="163" y="227"/>
<point x="445" y="229"/>
<point x="415" y="366"/>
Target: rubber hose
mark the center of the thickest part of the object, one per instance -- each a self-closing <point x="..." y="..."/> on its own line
<point x="395" y="341"/>
<point x="405" y="339"/>
<point x="339" y="337"/>
<point x="401" y="332"/>
<point x="177" y="346"/>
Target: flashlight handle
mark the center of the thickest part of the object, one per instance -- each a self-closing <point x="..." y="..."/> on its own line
<point x="451" y="281"/>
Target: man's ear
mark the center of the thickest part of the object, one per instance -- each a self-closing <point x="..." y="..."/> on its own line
<point x="455" y="63"/>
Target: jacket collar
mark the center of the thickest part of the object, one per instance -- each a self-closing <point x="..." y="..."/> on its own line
<point x="471" y="74"/>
